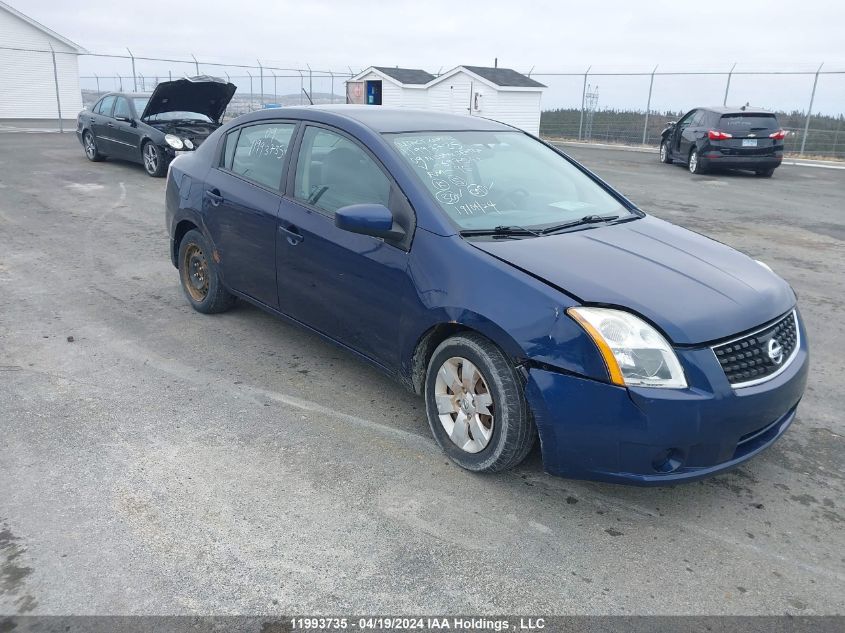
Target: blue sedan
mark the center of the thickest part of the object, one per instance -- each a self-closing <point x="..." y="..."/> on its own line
<point x="514" y="290"/>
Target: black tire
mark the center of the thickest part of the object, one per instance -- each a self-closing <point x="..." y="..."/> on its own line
<point x="694" y="163"/>
<point x="765" y="173"/>
<point x="513" y="430"/>
<point x="89" y="144"/>
<point x="665" y="155"/>
<point x="199" y="275"/>
<point x="154" y="160"/>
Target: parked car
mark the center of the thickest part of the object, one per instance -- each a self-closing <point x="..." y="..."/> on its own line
<point x="507" y="284"/>
<point x="153" y="128"/>
<point x="736" y="138"/>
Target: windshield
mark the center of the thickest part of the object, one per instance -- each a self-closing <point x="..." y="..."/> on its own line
<point x="140" y="104"/>
<point x="484" y="180"/>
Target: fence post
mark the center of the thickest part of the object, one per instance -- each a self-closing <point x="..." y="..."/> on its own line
<point x="301" y="85"/>
<point x="310" y="85"/>
<point x="332" y="97"/>
<point x="583" y="98"/>
<point x="810" y="109"/>
<point x="120" y="81"/>
<point x="251" y="101"/>
<point x="196" y="64"/>
<point x="261" y="80"/>
<point x="134" y="79"/>
<point x="56" y="81"/>
<point x="143" y="82"/>
<point x="648" y="105"/>
<point x="98" y="84"/>
<point x="728" y="85"/>
<point x="275" y="91"/>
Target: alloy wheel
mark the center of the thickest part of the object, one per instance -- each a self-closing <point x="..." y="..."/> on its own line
<point x="150" y="158"/>
<point x="663" y="152"/>
<point x="693" y="162"/>
<point x="90" y="148"/>
<point x="464" y="404"/>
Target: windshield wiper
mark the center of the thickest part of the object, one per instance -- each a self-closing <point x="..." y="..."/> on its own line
<point x="500" y="230"/>
<point x="587" y="219"/>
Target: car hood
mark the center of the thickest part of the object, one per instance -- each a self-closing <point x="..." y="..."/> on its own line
<point x="206" y="95"/>
<point x="695" y="289"/>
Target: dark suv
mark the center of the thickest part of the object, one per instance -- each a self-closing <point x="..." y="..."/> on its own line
<point x="738" y="138"/>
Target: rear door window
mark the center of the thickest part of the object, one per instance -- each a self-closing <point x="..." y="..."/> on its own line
<point x="738" y="123"/>
<point x="260" y="151"/>
<point x="106" y="105"/>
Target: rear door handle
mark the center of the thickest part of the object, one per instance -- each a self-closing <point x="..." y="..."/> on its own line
<point x="214" y="196"/>
<point x="110" y="124"/>
<point x="294" y="238"/>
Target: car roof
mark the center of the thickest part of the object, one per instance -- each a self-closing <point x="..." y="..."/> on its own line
<point x="386" y="119"/>
<point x="736" y="110"/>
<point x="129" y="95"/>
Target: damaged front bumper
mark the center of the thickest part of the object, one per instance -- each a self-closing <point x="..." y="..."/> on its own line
<point x="650" y="436"/>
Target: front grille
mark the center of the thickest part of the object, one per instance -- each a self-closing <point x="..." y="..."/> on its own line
<point x="760" y="355"/>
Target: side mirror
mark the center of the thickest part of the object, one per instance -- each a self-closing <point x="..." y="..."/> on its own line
<point x="124" y="119"/>
<point x="671" y="123"/>
<point x="368" y="219"/>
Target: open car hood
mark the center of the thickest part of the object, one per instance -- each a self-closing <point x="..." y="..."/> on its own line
<point x="204" y="94"/>
<point x="692" y="287"/>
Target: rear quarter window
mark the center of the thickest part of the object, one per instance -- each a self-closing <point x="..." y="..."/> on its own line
<point x="748" y="122"/>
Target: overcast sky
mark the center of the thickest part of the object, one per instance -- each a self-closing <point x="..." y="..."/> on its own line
<point x="433" y="34"/>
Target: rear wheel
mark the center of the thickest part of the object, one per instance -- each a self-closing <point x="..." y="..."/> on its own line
<point x="475" y="405"/>
<point x="695" y="165"/>
<point x="199" y="275"/>
<point x="664" y="152"/>
<point x="155" y="162"/>
<point x="89" y="143"/>
<point x="765" y="173"/>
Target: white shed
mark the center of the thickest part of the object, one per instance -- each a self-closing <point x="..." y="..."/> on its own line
<point x="501" y="94"/>
<point x="380" y="85"/>
<point x="27" y="77"/>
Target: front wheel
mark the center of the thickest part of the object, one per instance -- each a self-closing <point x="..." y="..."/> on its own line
<point x="476" y="406"/>
<point x="199" y="275"/>
<point x="695" y="166"/>
<point x="664" y="153"/>
<point x="155" y="162"/>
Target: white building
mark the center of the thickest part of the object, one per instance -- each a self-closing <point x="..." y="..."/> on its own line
<point x="501" y="94"/>
<point x="27" y="79"/>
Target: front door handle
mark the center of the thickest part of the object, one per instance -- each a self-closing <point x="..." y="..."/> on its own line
<point x="214" y="197"/>
<point x="294" y="238"/>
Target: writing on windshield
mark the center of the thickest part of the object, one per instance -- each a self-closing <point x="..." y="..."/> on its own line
<point x="451" y="171"/>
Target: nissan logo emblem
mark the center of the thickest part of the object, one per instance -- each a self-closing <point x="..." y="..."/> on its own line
<point x="775" y="351"/>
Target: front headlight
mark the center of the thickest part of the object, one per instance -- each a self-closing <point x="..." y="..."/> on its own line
<point x="174" y="141"/>
<point x="635" y="353"/>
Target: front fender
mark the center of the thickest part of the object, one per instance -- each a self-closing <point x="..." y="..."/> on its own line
<point x="524" y="316"/>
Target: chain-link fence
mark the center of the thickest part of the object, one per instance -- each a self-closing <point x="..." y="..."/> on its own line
<point x="599" y="106"/>
<point x="630" y="107"/>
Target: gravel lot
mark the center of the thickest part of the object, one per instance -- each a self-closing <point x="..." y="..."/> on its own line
<point x="167" y="462"/>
